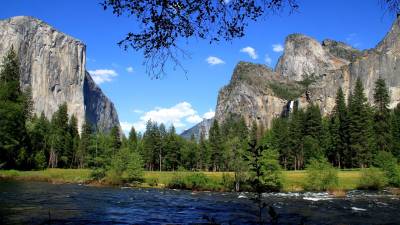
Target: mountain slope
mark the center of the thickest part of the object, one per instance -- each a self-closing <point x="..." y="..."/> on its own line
<point x="259" y="93"/>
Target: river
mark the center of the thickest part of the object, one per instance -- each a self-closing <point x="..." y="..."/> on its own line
<point x="45" y="203"/>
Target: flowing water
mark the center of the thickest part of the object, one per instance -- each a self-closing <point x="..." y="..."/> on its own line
<point x="44" y="203"/>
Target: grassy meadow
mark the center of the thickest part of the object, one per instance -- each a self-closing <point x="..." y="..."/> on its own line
<point x="292" y="180"/>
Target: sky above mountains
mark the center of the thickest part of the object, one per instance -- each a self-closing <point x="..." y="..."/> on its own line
<point x="184" y="100"/>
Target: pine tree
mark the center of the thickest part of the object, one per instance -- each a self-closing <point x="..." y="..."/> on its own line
<point x="360" y="127"/>
<point x="342" y="150"/>
<point x="205" y="154"/>
<point x="38" y="130"/>
<point x="60" y="138"/>
<point x="216" y="145"/>
<point x="115" y="139"/>
<point x="279" y="140"/>
<point x="83" y="151"/>
<point x="295" y="139"/>
<point x="74" y="133"/>
<point x="172" y="150"/>
<point x="382" y="120"/>
<point x="395" y="131"/>
<point x="132" y="139"/>
<point x="14" y="142"/>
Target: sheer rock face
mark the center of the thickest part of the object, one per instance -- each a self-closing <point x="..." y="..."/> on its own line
<point x="335" y="64"/>
<point x="53" y="66"/>
<point x="197" y="130"/>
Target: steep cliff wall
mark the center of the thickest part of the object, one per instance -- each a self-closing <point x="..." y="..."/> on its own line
<point x="335" y="64"/>
<point x="53" y="66"/>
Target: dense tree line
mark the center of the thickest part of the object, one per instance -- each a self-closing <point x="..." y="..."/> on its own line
<point x="351" y="136"/>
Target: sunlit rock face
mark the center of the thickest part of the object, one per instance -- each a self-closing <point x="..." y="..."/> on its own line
<point x="199" y="129"/>
<point x="334" y="63"/>
<point x="53" y="66"/>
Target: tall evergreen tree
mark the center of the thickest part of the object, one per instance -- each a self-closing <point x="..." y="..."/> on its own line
<point x="116" y="142"/>
<point x="132" y="139"/>
<point x="74" y="133"/>
<point x="60" y="138"/>
<point x="14" y="142"/>
<point x="395" y="131"/>
<point x="85" y="142"/>
<point x="216" y="145"/>
<point x="341" y="118"/>
<point x="360" y="127"/>
<point x="382" y="120"/>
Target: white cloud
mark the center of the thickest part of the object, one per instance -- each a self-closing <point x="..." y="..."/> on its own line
<point x="212" y="60"/>
<point x="208" y="115"/>
<point x="194" y="119"/>
<point x="227" y="1"/>
<point x="129" y="69"/>
<point x="267" y="60"/>
<point x="250" y="51"/>
<point x="102" y="75"/>
<point x="179" y="115"/>
<point x="277" y="48"/>
<point x="138" y="111"/>
<point x="126" y="126"/>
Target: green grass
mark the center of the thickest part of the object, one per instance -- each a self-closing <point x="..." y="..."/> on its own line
<point x="293" y="180"/>
<point x="49" y="175"/>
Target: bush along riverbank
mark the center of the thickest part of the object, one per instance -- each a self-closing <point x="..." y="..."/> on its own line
<point x="293" y="181"/>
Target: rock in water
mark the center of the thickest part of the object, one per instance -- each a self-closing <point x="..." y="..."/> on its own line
<point x="53" y="65"/>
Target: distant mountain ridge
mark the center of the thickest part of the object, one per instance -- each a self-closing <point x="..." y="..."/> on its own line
<point x="53" y="65"/>
<point x="257" y="92"/>
<point x="202" y="127"/>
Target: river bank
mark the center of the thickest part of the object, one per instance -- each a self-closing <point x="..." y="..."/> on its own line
<point x="293" y="180"/>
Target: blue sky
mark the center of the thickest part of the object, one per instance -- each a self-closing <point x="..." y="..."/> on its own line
<point x="175" y="99"/>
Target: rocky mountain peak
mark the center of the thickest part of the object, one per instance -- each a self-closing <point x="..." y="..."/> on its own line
<point x="391" y="42"/>
<point x="305" y="55"/>
<point x="53" y="65"/>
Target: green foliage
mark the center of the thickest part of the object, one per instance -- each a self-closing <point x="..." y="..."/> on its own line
<point x="126" y="167"/>
<point x="153" y="181"/>
<point x="216" y="145"/>
<point x="14" y="142"/>
<point x="193" y="181"/>
<point x="271" y="170"/>
<point x="360" y="127"/>
<point x="287" y="91"/>
<point x="382" y="120"/>
<point x="388" y="163"/>
<point x="227" y="181"/>
<point x="321" y="175"/>
<point x="372" y="179"/>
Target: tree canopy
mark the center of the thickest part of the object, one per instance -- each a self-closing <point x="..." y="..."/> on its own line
<point x="162" y="23"/>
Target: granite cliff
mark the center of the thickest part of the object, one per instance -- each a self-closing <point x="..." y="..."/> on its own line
<point x="256" y="92"/>
<point x="53" y="65"/>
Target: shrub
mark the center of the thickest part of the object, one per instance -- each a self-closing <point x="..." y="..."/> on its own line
<point x="227" y="181"/>
<point x="271" y="171"/>
<point x="194" y="181"/>
<point x="176" y="182"/>
<point x="153" y="181"/>
<point x="197" y="181"/>
<point x="372" y="179"/>
<point x="98" y="174"/>
<point x="321" y="175"/>
<point x="388" y="163"/>
<point x="126" y="167"/>
<point x="40" y="160"/>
